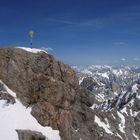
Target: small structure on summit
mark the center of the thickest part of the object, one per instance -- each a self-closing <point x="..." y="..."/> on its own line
<point x="31" y="35"/>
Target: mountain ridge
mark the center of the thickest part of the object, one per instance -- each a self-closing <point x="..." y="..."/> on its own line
<point x="51" y="90"/>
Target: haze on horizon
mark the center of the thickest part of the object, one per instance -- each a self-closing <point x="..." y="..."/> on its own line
<point x="80" y="32"/>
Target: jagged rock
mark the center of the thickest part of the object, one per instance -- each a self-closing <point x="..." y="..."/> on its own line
<point x="137" y="124"/>
<point x="34" y="76"/>
<point x="86" y="97"/>
<point x="4" y="95"/>
<point x="45" y="113"/>
<point x="50" y="87"/>
<point x="30" y="135"/>
<point x="136" y="106"/>
<point x="89" y="83"/>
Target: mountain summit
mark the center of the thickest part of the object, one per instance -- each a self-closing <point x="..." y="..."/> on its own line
<point x="41" y="99"/>
<point x="49" y="91"/>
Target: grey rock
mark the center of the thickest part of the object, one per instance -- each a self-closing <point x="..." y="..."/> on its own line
<point x="4" y="95"/>
<point x="30" y="135"/>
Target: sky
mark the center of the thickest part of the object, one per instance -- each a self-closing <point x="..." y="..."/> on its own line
<point x="80" y="32"/>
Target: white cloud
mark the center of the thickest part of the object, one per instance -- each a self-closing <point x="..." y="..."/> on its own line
<point x="62" y="21"/>
<point x="123" y="59"/>
<point x="136" y="59"/>
<point x="119" y="43"/>
<point x="97" y="23"/>
<point x="46" y="49"/>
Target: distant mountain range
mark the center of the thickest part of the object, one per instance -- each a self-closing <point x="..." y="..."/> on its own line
<point x="117" y="98"/>
<point x="109" y="83"/>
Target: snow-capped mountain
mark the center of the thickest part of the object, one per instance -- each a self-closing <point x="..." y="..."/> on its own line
<point x="117" y="98"/>
<point x="108" y="82"/>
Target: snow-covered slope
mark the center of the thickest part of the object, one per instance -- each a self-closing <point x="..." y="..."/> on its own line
<point x="32" y="50"/>
<point x="16" y="116"/>
<point x="105" y="126"/>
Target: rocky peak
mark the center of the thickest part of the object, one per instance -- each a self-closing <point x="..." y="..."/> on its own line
<point x="50" y="91"/>
<point x="31" y="75"/>
<point x="49" y="86"/>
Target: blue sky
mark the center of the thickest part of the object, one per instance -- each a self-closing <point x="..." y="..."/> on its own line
<point x="80" y="32"/>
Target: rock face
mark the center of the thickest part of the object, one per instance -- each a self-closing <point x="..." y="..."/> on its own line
<point x="51" y="88"/>
<point x="33" y="75"/>
<point x="30" y="135"/>
<point x="4" y="95"/>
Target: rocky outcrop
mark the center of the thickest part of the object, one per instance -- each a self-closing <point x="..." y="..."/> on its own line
<point x="4" y="95"/>
<point x="30" y="135"/>
<point x="51" y="88"/>
<point x="37" y="77"/>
